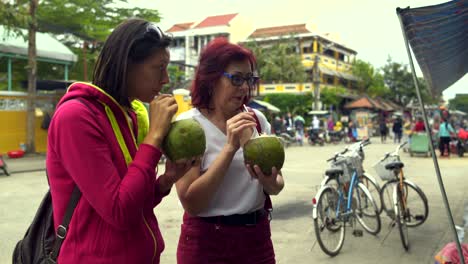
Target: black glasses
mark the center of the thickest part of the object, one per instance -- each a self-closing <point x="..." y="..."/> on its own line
<point x="237" y="79"/>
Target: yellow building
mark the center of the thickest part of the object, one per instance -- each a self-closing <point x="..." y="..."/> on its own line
<point x="13" y="116"/>
<point x="334" y="59"/>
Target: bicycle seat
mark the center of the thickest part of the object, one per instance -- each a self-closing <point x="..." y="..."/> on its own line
<point x="333" y="172"/>
<point x="394" y="165"/>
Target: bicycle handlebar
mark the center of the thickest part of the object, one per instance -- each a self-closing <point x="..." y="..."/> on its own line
<point x="362" y="144"/>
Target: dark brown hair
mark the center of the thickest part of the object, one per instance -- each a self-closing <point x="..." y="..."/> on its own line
<point x="133" y="41"/>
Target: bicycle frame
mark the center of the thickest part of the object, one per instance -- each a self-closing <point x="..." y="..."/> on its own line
<point x="353" y="183"/>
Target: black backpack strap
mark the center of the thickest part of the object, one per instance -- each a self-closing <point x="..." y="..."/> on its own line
<point x="63" y="228"/>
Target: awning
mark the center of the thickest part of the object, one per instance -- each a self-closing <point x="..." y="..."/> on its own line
<point x="325" y="70"/>
<point x="47" y="46"/>
<point x="318" y="112"/>
<point x="262" y="105"/>
<point x="438" y="36"/>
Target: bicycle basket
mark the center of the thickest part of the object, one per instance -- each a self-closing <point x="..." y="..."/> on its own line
<point x="349" y="164"/>
<point x="383" y="173"/>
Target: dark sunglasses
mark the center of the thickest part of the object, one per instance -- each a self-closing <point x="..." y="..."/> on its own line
<point x="237" y="79"/>
<point x="152" y="32"/>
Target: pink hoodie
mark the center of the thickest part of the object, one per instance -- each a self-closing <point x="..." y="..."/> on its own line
<point x="114" y="220"/>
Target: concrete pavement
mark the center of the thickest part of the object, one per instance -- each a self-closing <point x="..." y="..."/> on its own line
<point x="292" y="225"/>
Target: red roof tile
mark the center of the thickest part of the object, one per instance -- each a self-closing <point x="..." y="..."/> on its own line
<point x="279" y="31"/>
<point x="213" y="21"/>
<point x="180" y="27"/>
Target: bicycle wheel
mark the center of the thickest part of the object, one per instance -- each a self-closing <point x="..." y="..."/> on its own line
<point x="329" y="230"/>
<point x="400" y="216"/>
<point x="365" y="210"/>
<point x="386" y="197"/>
<point x="417" y="208"/>
<point x="373" y="188"/>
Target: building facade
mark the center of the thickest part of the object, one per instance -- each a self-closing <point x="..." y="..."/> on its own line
<point x="191" y="37"/>
<point x="327" y="62"/>
<point x="320" y="54"/>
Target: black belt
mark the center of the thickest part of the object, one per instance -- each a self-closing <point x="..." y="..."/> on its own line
<point x="238" y="219"/>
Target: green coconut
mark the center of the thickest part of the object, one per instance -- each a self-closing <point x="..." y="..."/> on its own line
<point x="184" y="141"/>
<point x="266" y="152"/>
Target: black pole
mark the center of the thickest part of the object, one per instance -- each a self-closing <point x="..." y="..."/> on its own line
<point x="434" y="157"/>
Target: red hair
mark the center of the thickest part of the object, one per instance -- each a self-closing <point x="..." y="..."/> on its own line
<point x="214" y="59"/>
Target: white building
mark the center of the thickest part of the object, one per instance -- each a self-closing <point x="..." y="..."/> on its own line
<point x="191" y="37"/>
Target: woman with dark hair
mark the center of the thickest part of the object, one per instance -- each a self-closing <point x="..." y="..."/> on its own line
<point x="103" y="142"/>
<point x="226" y="202"/>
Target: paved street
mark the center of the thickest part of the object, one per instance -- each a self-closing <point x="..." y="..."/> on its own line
<point x="292" y="225"/>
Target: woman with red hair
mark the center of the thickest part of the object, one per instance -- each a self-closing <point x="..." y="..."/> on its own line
<point x="226" y="201"/>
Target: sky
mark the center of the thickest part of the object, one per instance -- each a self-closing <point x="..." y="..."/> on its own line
<point x="371" y="27"/>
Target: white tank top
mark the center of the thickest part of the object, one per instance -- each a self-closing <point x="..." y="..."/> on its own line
<point x="238" y="192"/>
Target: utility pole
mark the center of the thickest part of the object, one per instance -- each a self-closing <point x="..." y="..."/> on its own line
<point x="316" y="81"/>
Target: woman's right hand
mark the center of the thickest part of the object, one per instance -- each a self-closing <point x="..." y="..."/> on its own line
<point x="234" y="128"/>
<point x="161" y="111"/>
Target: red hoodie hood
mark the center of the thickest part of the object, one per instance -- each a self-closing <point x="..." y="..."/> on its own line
<point x="91" y="92"/>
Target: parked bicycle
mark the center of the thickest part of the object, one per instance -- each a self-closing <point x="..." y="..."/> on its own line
<point x="402" y="200"/>
<point x="337" y="206"/>
<point x="365" y="178"/>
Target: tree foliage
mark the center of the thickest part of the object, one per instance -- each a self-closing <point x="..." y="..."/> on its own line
<point x="460" y="102"/>
<point x="330" y="95"/>
<point x="294" y="103"/>
<point x="278" y="62"/>
<point x="370" y="80"/>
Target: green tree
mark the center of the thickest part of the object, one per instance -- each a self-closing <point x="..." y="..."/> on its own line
<point x="278" y="62"/>
<point x="370" y="80"/>
<point x="330" y="95"/>
<point x="294" y="103"/>
<point x="82" y="22"/>
<point x="460" y="102"/>
<point x="399" y="80"/>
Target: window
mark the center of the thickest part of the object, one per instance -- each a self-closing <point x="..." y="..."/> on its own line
<point x="344" y="82"/>
<point x="341" y="56"/>
<point x="270" y="88"/>
<point x="306" y="50"/>
<point x="329" y="52"/>
<point x="290" y="87"/>
<point x="325" y="60"/>
<point x="333" y="62"/>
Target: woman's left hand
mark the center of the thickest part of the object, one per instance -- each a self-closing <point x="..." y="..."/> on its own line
<point x="272" y="184"/>
<point x="174" y="171"/>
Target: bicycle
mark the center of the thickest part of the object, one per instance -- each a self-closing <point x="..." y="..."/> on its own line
<point x="365" y="178"/>
<point x="334" y="207"/>
<point x="397" y="195"/>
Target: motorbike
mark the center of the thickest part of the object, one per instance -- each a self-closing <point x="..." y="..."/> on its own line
<point x="336" y="136"/>
<point x="316" y="136"/>
<point x="288" y="137"/>
<point x="462" y="142"/>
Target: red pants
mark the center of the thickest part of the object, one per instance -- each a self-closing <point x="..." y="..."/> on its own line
<point x="206" y="243"/>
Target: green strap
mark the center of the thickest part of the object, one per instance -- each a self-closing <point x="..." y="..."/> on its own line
<point x="142" y="120"/>
<point x="118" y="133"/>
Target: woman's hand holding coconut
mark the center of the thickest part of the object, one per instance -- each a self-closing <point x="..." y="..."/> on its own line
<point x="162" y="110"/>
<point x="272" y="184"/>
